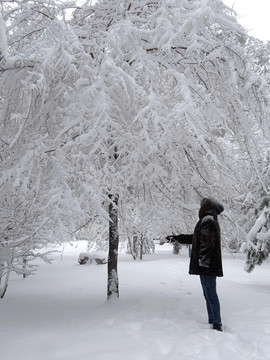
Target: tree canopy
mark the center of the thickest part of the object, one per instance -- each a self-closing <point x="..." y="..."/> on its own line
<point x="159" y="103"/>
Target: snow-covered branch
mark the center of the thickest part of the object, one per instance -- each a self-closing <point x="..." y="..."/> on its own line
<point x="170" y="85"/>
<point x="257" y="245"/>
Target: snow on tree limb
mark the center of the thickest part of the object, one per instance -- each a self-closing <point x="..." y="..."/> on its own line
<point x="257" y="245"/>
<point x="171" y="84"/>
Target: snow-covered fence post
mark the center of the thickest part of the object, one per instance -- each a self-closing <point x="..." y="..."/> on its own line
<point x="113" y="282"/>
<point x="257" y="245"/>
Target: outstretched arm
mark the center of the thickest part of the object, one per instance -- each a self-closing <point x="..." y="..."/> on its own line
<point x="182" y="238"/>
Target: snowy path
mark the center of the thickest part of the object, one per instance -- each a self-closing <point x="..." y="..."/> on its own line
<point x="61" y="313"/>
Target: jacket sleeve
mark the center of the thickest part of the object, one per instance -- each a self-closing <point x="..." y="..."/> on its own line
<point x="206" y="244"/>
<point x="182" y="238"/>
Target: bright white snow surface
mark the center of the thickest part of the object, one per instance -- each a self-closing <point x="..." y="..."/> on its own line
<point x="61" y="313"/>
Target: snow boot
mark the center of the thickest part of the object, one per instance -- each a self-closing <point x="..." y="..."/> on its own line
<point x="217" y="327"/>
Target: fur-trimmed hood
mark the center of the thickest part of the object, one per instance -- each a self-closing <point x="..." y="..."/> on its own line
<point x="210" y="206"/>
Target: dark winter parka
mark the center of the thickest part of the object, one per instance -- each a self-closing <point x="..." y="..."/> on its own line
<point x="206" y="244"/>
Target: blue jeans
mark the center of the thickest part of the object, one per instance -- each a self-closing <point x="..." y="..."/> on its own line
<point x="211" y="297"/>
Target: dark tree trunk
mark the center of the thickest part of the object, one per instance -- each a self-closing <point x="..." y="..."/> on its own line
<point x="24" y="267"/>
<point x="113" y="283"/>
<point x="141" y="247"/>
<point x="135" y="246"/>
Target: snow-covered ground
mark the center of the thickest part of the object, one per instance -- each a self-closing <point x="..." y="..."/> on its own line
<point x="61" y="313"/>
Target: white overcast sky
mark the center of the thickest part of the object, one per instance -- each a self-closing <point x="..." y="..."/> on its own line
<point x="254" y="15"/>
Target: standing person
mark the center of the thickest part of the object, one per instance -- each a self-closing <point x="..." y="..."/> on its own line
<point x="205" y="259"/>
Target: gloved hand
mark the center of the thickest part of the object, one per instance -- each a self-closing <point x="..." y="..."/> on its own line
<point x="170" y="237"/>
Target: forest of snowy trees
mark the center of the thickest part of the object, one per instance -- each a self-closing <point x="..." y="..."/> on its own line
<point x="118" y="116"/>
